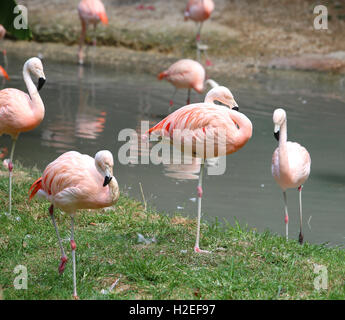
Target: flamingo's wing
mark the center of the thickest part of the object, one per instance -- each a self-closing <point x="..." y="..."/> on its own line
<point x="92" y="11"/>
<point x="69" y="170"/>
<point x="178" y="73"/>
<point x="198" y="116"/>
<point x="15" y="113"/>
<point x="198" y="125"/>
<point x="299" y="161"/>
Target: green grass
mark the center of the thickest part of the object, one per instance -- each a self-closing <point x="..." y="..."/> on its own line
<point x="243" y="264"/>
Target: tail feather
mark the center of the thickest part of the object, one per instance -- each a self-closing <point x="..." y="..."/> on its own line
<point x="103" y="17"/>
<point x="4" y="73"/>
<point x="162" y="75"/>
<point x="158" y="126"/>
<point x="37" y="185"/>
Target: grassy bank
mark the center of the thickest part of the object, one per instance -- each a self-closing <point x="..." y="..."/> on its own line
<point x="243" y="264"/>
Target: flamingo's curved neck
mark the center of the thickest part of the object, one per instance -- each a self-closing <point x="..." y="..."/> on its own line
<point x="113" y="195"/>
<point x="114" y="192"/>
<point x="37" y="103"/>
<point x="283" y="152"/>
<point x="211" y="97"/>
<point x="212" y="83"/>
<point x="245" y="128"/>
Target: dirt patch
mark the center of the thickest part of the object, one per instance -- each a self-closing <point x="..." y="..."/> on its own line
<point x="241" y="35"/>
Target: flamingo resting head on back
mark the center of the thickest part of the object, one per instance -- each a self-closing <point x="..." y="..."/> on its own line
<point x="77" y="181"/>
<point x="206" y="130"/>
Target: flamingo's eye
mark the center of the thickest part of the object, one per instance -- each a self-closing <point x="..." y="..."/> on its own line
<point x="235" y="108"/>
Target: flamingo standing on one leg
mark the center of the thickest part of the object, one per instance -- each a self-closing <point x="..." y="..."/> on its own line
<point x="185" y="73"/>
<point x="196" y="125"/>
<point x="90" y="12"/>
<point x="76" y="181"/>
<point x="2" y="36"/>
<point x="290" y="164"/>
<point x="198" y="11"/>
<point x="20" y="112"/>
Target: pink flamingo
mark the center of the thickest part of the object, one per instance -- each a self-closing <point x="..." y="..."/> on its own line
<point x="20" y="112"/>
<point x="290" y="165"/>
<point x="76" y="181"/>
<point x="2" y="36"/>
<point x="198" y="11"/>
<point x="196" y="125"/>
<point x="185" y="73"/>
<point x="90" y="12"/>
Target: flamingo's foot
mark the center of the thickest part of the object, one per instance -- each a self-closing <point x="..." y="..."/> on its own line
<point x="75" y="297"/>
<point x="209" y="63"/>
<point x="62" y="264"/>
<point x="300" y="238"/>
<point x="198" y="250"/>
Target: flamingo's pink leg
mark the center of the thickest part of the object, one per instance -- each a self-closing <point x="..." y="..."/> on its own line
<point x="73" y="247"/>
<point x="63" y="255"/>
<point x="198" y="35"/>
<point x="188" y="97"/>
<point x="5" y="57"/>
<point x="200" y="192"/>
<point x="81" y="42"/>
<point x="171" y="102"/>
<point x="10" y="171"/>
<point x="286" y="217"/>
<point x="300" y="237"/>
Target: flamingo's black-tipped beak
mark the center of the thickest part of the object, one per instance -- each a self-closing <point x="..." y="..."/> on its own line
<point x="41" y="82"/>
<point x="276" y="135"/>
<point x="106" y="180"/>
<point x="235" y="106"/>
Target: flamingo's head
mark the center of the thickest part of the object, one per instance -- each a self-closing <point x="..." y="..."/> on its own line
<point x="223" y="95"/>
<point x="34" y="65"/>
<point x="104" y="163"/>
<point x="279" y="117"/>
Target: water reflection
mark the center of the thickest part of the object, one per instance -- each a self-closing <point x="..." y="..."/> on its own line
<point x="87" y="121"/>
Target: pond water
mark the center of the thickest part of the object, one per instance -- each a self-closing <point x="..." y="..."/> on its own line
<point x="87" y="107"/>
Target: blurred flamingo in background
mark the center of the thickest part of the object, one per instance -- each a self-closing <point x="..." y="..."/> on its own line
<point x="76" y="181"/>
<point x="198" y="11"/>
<point x="90" y="12"/>
<point x="206" y="130"/>
<point x="2" y="36"/>
<point x="185" y="73"/>
<point x="20" y="112"/>
<point x="290" y="165"/>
